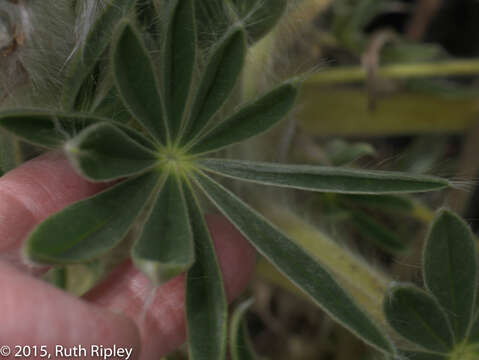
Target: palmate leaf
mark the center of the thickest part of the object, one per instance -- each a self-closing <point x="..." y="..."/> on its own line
<point x="417" y="316"/>
<point x="98" y="39"/>
<point x="323" y="178"/>
<point x="218" y="81"/>
<point x="253" y="119"/>
<point x="102" y="152"/>
<point x="179" y="58"/>
<point x="295" y="263"/>
<point x="206" y="305"/>
<point x="90" y="227"/>
<point x="240" y="344"/>
<point x="450" y="269"/>
<point x="165" y="247"/>
<point x="136" y="82"/>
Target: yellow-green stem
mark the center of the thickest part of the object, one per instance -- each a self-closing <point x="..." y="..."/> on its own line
<point x="365" y="284"/>
<point x="397" y="71"/>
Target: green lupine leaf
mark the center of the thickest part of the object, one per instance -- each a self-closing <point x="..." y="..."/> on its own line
<point x="102" y="152"/>
<point x="86" y="59"/>
<point x="259" y="16"/>
<point x="253" y="119"/>
<point x="219" y="78"/>
<point x="411" y="355"/>
<point x="206" y="305"/>
<point x="90" y="227"/>
<point x="44" y="128"/>
<point x="323" y="178"/>
<point x="377" y="233"/>
<point x="179" y="57"/>
<point x="295" y="263"/>
<point x="389" y="203"/>
<point x="241" y="347"/>
<point x="450" y="269"/>
<point x="165" y="248"/>
<point x="417" y="316"/>
<point x="136" y="80"/>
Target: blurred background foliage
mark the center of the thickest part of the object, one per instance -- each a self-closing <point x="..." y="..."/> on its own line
<point x="391" y="85"/>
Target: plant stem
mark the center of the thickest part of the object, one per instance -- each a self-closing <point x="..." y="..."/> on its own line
<point x="365" y="284"/>
<point x="347" y="74"/>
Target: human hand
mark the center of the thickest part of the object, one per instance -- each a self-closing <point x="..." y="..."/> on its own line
<point x="33" y="312"/>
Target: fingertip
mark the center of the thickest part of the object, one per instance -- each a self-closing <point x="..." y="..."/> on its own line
<point x="234" y="252"/>
<point x="162" y="322"/>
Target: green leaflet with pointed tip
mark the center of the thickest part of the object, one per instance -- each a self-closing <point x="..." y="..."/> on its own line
<point x="86" y="59"/>
<point x="323" y="178"/>
<point x="241" y="347"/>
<point x="44" y="128"/>
<point x="206" y="305"/>
<point x="377" y="233"/>
<point x="179" y="57"/>
<point x="450" y="269"/>
<point x="259" y="16"/>
<point x="218" y="81"/>
<point x="90" y="227"/>
<point x="136" y="80"/>
<point x="295" y="263"/>
<point x="417" y="316"/>
<point x="253" y="119"/>
<point x="102" y="152"/>
<point x="165" y="247"/>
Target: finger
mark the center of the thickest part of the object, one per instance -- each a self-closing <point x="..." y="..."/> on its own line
<point x="33" y="191"/>
<point x="35" y="313"/>
<point x="162" y="322"/>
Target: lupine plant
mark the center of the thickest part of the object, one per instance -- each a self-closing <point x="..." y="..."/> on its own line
<point x="148" y="100"/>
<point x="442" y="319"/>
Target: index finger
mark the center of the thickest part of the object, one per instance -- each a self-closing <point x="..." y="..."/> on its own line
<point x="32" y="192"/>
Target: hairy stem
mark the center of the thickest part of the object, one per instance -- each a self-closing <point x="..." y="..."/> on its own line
<point x="366" y="285"/>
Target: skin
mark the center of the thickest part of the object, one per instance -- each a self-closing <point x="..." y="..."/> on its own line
<point x="33" y="312"/>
